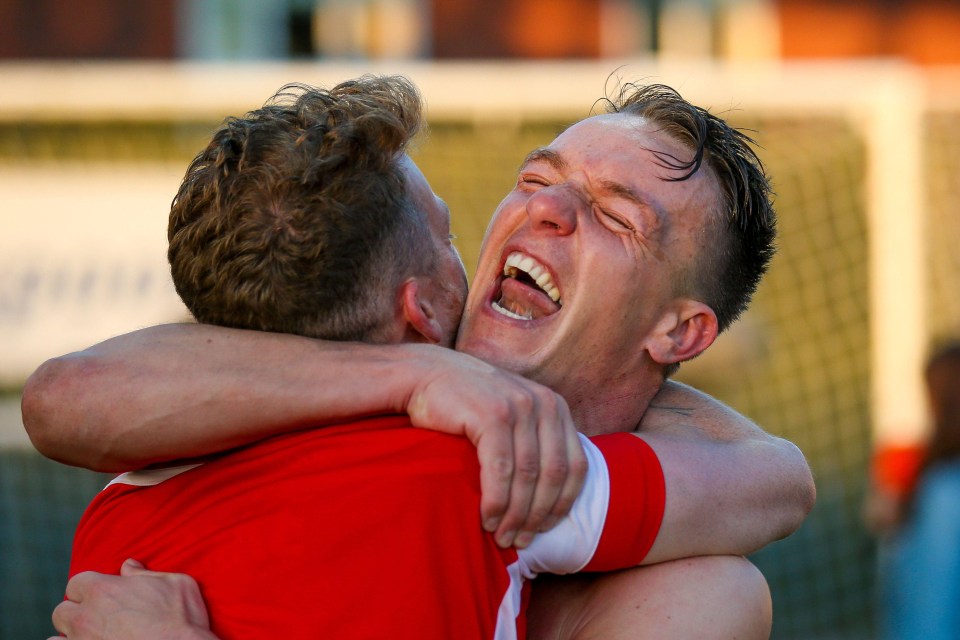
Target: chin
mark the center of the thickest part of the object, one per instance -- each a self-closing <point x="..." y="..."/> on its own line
<point x="492" y="353"/>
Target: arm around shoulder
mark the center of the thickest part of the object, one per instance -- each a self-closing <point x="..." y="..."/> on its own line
<point x="52" y="405"/>
<point x="731" y="487"/>
<point x="177" y="391"/>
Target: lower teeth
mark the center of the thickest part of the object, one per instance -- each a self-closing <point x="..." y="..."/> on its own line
<point x="510" y="314"/>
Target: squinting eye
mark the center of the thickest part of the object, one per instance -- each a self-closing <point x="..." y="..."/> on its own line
<point x="451" y="237"/>
<point x="524" y="179"/>
<point x="617" y="221"/>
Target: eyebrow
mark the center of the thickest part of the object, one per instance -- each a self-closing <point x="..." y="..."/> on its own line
<point x="645" y="206"/>
<point x="610" y="187"/>
<point x="556" y="161"/>
<point x="552" y="158"/>
<point x="623" y="191"/>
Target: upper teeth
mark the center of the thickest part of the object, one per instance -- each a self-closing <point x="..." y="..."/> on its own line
<point x="517" y="261"/>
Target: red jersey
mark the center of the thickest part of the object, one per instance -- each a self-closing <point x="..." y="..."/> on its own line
<point x="362" y="530"/>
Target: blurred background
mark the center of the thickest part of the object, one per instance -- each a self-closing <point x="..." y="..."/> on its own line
<point x="855" y="106"/>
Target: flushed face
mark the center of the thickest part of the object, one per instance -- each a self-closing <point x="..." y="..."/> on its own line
<point x="580" y="260"/>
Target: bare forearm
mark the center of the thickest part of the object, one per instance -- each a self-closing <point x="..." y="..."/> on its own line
<point x="186" y="390"/>
<point x="181" y="391"/>
<point x="709" y="597"/>
<point x="731" y="487"/>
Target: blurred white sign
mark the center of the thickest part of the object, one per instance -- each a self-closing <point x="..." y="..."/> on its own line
<point x="82" y="258"/>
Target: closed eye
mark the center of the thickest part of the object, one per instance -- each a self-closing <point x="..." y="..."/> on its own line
<point x="531" y="180"/>
<point x="615" y="221"/>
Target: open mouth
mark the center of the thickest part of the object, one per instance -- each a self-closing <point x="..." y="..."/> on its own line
<point x="527" y="290"/>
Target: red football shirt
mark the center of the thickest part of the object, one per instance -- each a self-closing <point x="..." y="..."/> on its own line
<point x="362" y="530"/>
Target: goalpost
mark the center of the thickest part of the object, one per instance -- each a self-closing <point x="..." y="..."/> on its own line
<point x="886" y="100"/>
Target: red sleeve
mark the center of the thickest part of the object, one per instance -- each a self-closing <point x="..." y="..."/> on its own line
<point x="637" y="499"/>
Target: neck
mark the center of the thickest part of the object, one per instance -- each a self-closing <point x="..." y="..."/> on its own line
<point x="615" y="408"/>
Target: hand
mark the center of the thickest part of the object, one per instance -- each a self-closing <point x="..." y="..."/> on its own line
<point x="137" y="604"/>
<point x="532" y="464"/>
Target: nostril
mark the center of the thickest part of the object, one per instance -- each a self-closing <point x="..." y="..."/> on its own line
<point x="553" y="210"/>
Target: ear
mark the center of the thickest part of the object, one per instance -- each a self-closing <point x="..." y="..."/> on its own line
<point x="418" y="314"/>
<point x="683" y="332"/>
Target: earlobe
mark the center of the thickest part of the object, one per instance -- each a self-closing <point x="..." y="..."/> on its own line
<point x="418" y="314"/>
<point x="683" y="333"/>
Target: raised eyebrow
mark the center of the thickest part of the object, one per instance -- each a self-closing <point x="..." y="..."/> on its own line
<point x="549" y="156"/>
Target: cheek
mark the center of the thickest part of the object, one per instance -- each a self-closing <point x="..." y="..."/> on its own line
<point x="456" y="273"/>
<point x="475" y="299"/>
<point x="504" y="219"/>
<point x="488" y="264"/>
<point x="627" y="291"/>
<point x="459" y="294"/>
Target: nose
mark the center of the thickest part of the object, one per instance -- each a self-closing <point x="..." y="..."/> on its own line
<point x="554" y="209"/>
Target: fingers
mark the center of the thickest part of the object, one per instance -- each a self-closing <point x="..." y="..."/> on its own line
<point x="548" y="479"/>
<point x="574" y="478"/>
<point x="562" y="468"/>
<point x="131" y="567"/>
<point x="549" y="469"/>
<point x="179" y="590"/>
<point x="139" y="603"/>
<point x="73" y="617"/>
<point x="524" y="485"/>
<point x="79" y="585"/>
<point x="63" y="616"/>
<point x="531" y="463"/>
<point x="495" y="452"/>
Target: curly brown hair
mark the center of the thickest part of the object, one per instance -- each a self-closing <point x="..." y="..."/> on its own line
<point x="296" y="218"/>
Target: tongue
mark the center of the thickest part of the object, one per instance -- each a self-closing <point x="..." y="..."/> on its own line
<point x="525" y="300"/>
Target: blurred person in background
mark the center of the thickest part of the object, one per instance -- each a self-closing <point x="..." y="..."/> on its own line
<point x="915" y="509"/>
